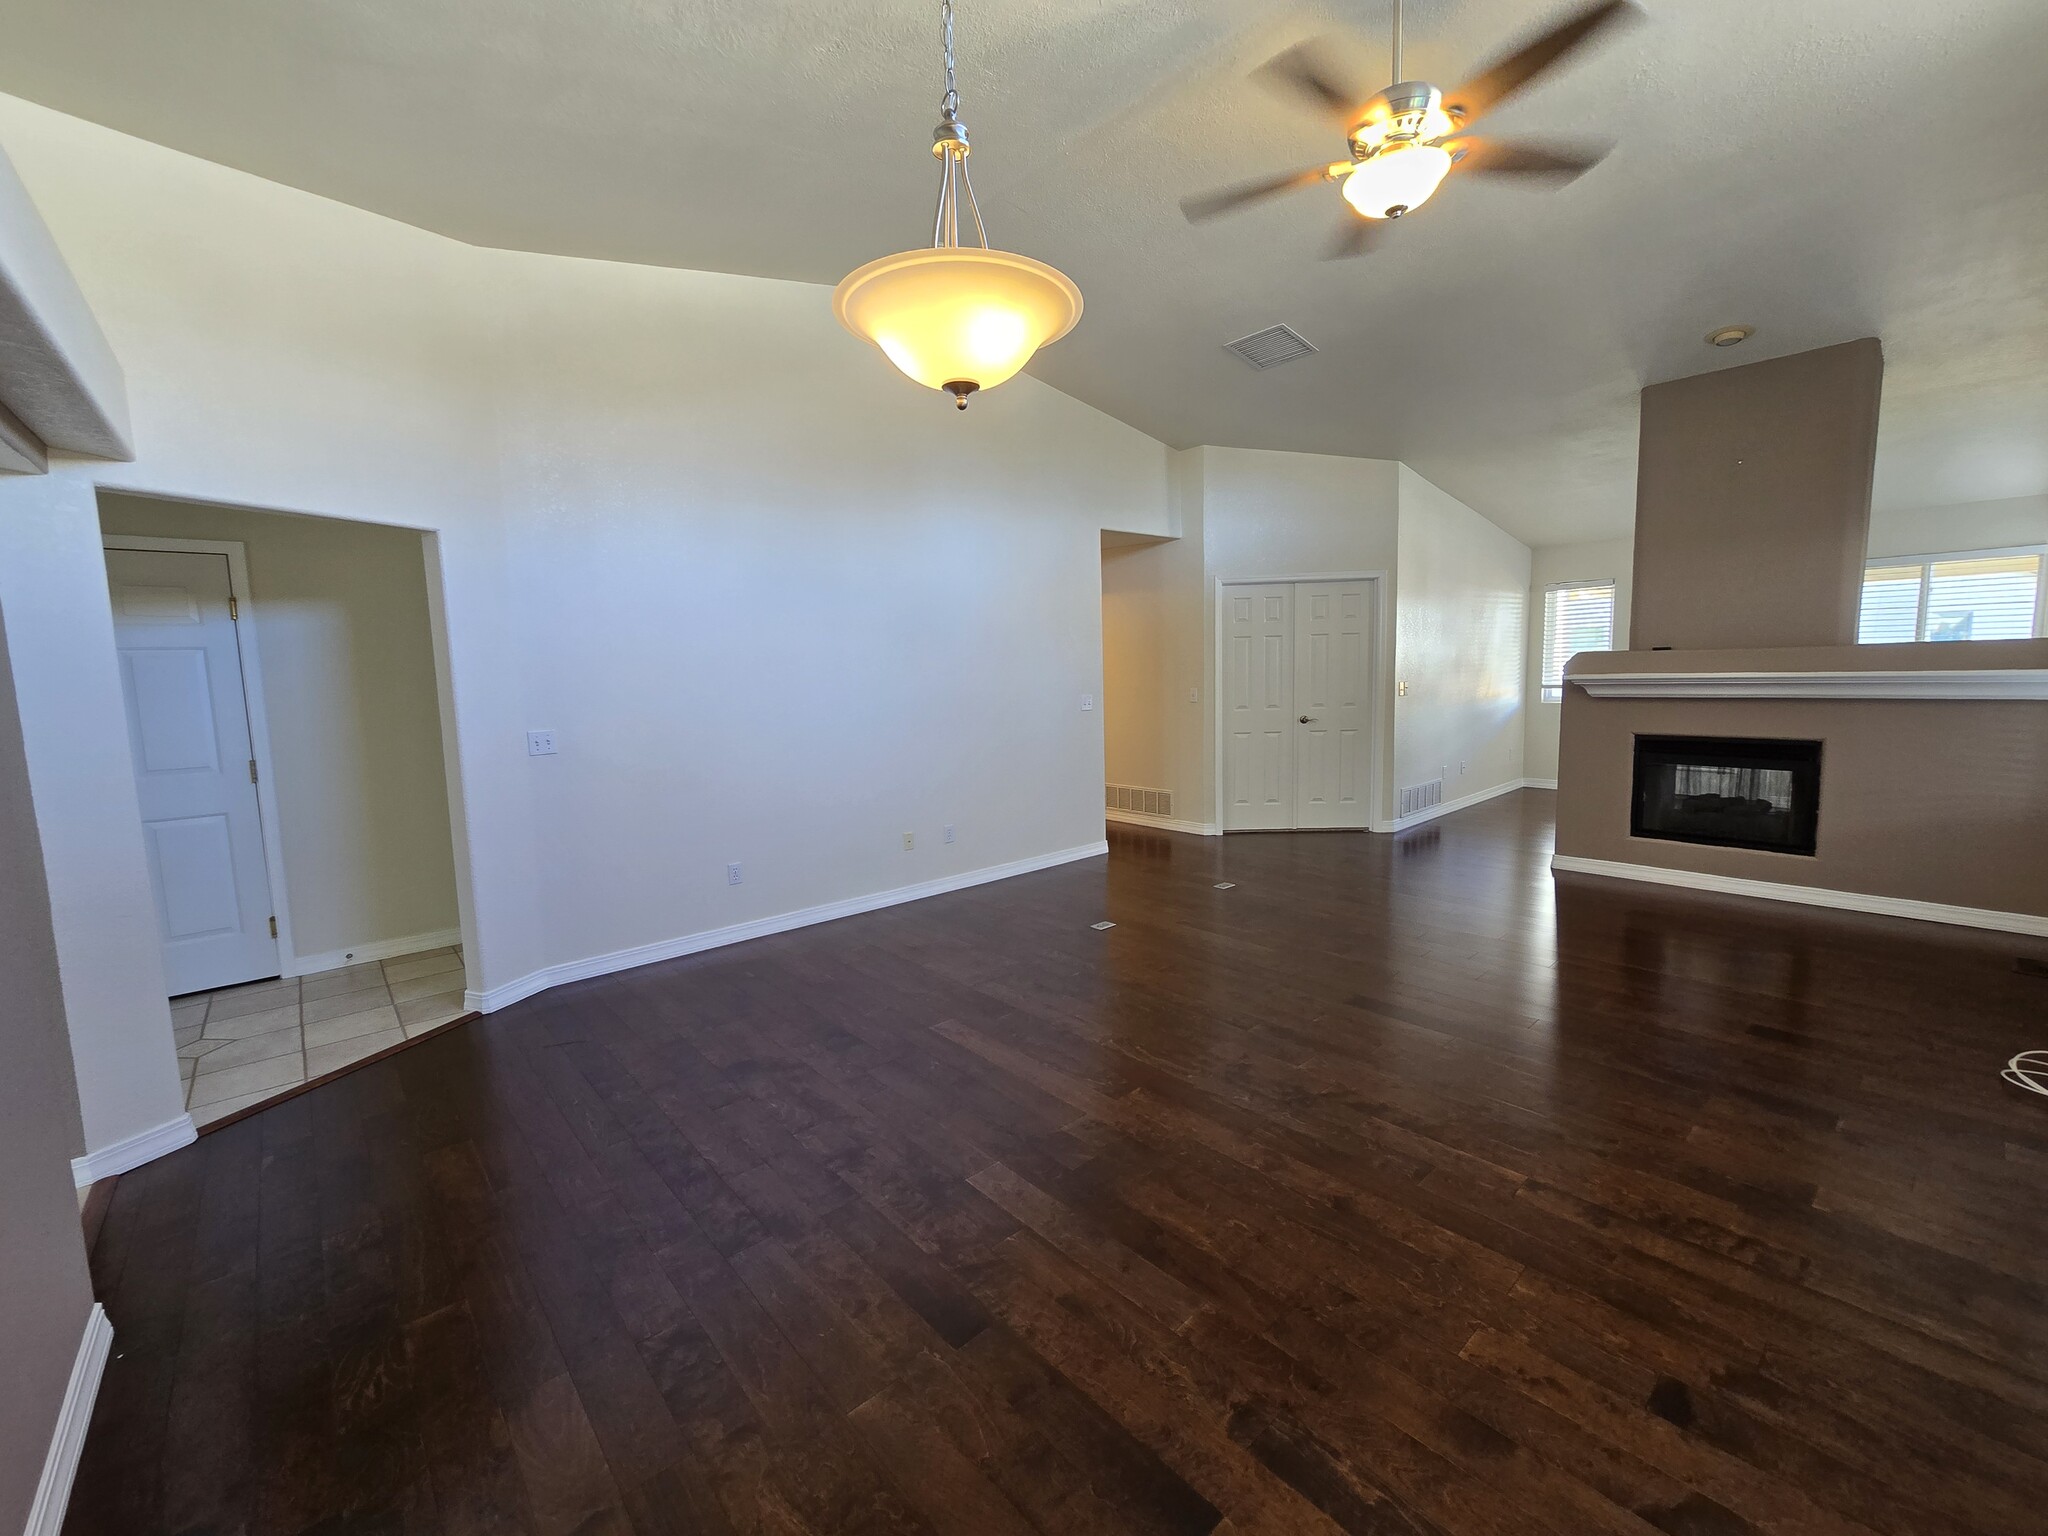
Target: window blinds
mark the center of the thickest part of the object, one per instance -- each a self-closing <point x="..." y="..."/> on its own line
<point x="1974" y="597"/>
<point x="1577" y="616"/>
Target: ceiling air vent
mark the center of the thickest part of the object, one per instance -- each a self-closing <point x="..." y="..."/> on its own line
<point x="1269" y="348"/>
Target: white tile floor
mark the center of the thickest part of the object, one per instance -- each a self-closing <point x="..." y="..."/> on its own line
<point x="242" y="1045"/>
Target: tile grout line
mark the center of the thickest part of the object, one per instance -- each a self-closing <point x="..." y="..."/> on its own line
<point x="384" y="984"/>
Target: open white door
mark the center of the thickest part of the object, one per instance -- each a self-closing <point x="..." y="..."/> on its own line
<point x="188" y="729"/>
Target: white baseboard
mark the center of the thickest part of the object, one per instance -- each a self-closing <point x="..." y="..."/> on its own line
<point x="1402" y="823"/>
<point x="1164" y="823"/>
<point x="761" y="927"/>
<point x="133" y="1151"/>
<point x="380" y="949"/>
<point x="1806" y="895"/>
<point x="1539" y="783"/>
<point x="60" y="1467"/>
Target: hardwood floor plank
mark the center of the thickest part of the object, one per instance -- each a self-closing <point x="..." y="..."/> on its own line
<point x="1399" y="1188"/>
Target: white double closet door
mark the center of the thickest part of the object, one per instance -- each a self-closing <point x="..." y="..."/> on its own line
<point x="1297" y="691"/>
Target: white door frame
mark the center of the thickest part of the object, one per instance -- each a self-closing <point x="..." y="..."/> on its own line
<point x="259" y="720"/>
<point x="1383" y="641"/>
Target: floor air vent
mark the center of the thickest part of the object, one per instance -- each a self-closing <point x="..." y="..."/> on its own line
<point x="1146" y="802"/>
<point x="1420" y="797"/>
<point x="1269" y="348"/>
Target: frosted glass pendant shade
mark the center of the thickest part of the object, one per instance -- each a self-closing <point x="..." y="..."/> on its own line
<point x="1397" y="180"/>
<point x="958" y="318"/>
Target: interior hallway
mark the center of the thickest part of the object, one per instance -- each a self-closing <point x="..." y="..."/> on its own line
<point x="1384" y="1191"/>
<point x="246" y="1045"/>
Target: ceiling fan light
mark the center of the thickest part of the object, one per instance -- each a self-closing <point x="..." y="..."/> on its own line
<point x="1397" y="180"/>
<point x="954" y="315"/>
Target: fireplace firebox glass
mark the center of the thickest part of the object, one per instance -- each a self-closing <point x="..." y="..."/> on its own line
<point x="1733" y="792"/>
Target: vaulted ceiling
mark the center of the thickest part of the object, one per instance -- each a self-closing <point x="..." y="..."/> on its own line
<point x="1820" y="170"/>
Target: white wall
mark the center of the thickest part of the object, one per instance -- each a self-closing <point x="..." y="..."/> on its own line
<point x="1604" y="560"/>
<point x="339" y="613"/>
<point x="1460" y="623"/>
<point x="779" y="604"/>
<point x="1457" y="586"/>
<point x="1954" y="529"/>
<point x="60" y="625"/>
<point x="1286" y="514"/>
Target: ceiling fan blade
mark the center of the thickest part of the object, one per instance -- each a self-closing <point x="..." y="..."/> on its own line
<point x="1558" y="163"/>
<point x="1355" y="237"/>
<point x="1505" y="76"/>
<point x="1307" y="71"/>
<point x="1210" y="205"/>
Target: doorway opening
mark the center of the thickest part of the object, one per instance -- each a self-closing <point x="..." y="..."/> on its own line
<point x="285" y="724"/>
<point x="1297" y="723"/>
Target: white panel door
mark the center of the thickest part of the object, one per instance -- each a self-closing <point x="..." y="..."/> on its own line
<point x="1332" y="686"/>
<point x="188" y="731"/>
<point x="1258" y="697"/>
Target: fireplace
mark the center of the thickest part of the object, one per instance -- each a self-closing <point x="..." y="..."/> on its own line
<point x="1730" y="791"/>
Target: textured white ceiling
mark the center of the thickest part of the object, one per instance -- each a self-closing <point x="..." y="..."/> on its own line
<point x="1821" y="169"/>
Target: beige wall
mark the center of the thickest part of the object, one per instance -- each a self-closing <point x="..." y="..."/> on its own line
<point x="1604" y="560"/>
<point x="340" y="614"/>
<point x="1753" y="501"/>
<point x="1135" y="703"/>
<point x="45" y="1295"/>
<point x="1154" y="672"/>
<point x="1923" y="800"/>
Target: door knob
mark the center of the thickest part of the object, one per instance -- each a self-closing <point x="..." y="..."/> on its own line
<point x="1308" y="719"/>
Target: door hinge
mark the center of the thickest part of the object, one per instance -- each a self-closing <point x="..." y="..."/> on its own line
<point x="233" y="611"/>
<point x="273" y="927"/>
<point x="252" y="770"/>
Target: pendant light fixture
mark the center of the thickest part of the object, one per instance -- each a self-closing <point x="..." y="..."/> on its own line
<point x="957" y="317"/>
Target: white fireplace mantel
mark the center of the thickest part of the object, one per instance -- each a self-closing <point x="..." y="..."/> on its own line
<point x="1980" y="684"/>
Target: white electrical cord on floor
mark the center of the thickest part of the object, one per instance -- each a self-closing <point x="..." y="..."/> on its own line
<point x="2028" y="1070"/>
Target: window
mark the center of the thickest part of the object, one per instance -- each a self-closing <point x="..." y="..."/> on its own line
<point x="1994" y="595"/>
<point x="1577" y="616"/>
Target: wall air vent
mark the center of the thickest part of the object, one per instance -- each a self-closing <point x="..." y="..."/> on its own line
<point x="1420" y="797"/>
<point x="1144" y="802"/>
<point x="1269" y="348"/>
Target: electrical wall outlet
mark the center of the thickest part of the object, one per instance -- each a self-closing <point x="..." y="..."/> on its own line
<point x="540" y="743"/>
<point x="732" y="874"/>
<point x="909" y="841"/>
<point x="949" y="831"/>
<point x="1087" y="702"/>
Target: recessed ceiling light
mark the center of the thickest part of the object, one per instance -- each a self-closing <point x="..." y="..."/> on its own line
<point x="1729" y="335"/>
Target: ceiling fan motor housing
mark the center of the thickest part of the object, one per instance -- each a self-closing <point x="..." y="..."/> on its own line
<point x="1413" y="109"/>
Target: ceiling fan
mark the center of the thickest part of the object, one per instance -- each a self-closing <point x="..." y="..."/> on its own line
<point x="1404" y="139"/>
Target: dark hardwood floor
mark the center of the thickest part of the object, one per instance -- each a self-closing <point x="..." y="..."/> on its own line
<point x="1386" y="1192"/>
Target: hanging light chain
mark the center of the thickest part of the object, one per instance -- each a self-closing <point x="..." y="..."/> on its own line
<point x="949" y="143"/>
<point x="949" y="104"/>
